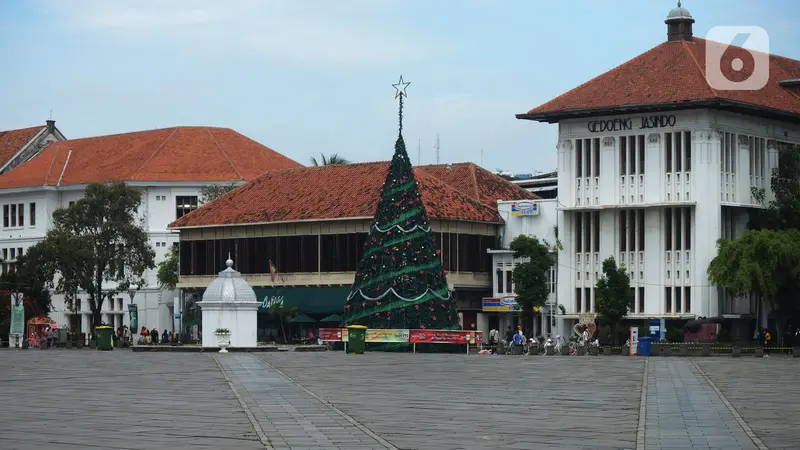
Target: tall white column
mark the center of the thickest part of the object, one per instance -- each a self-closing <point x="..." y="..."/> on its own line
<point x="707" y="217"/>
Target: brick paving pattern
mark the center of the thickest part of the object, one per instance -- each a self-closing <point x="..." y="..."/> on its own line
<point x="82" y="399"/>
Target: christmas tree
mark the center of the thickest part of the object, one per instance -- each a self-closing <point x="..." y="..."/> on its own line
<point x="399" y="280"/>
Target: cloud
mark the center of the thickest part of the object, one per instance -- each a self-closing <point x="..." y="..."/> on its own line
<point x="312" y="32"/>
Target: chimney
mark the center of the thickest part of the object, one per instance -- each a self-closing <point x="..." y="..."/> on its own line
<point x="679" y="24"/>
<point x="51" y="126"/>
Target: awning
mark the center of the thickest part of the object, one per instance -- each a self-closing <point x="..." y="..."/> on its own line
<point x="332" y="318"/>
<point x="302" y="319"/>
<point x="309" y="300"/>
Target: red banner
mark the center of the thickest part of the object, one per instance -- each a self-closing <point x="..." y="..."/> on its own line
<point x="330" y="334"/>
<point x="442" y="336"/>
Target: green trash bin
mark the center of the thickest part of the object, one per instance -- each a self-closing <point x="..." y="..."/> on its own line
<point x="356" y="339"/>
<point x="104" y="337"/>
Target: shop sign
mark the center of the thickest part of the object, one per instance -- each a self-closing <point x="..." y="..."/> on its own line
<point x="524" y="209"/>
<point x="503" y="304"/>
<point x="445" y="337"/>
<point x="645" y="122"/>
<point x="270" y="301"/>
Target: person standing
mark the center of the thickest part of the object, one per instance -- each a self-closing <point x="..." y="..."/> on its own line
<point x="493" y="335"/>
<point x="767" y="339"/>
<point x="518" y="339"/>
<point x="585" y="337"/>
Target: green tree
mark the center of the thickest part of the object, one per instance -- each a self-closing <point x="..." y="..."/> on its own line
<point x="334" y="158"/>
<point x="531" y="277"/>
<point x="613" y="294"/>
<point x="97" y="246"/>
<point x="284" y="314"/>
<point x="399" y="281"/>
<point x="761" y="262"/>
<point x="167" y="273"/>
<point x="214" y="191"/>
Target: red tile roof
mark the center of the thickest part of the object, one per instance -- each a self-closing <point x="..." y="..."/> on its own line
<point x="334" y="192"/>
<point x="475" y="181"/>
<point x="169" y="154"/>
<point x="12" y="141"/>
<point x="674" y="73"/>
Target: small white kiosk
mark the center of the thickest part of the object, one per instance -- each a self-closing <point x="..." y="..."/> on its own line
<point x="229" y="302"/>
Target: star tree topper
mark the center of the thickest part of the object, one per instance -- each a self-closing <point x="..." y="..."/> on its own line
<point x="401" y="86"/>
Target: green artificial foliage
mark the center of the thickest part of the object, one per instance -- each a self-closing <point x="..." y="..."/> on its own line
<point x="399" y="281"/>
<point x="531" y="277"/>
<point x="97" y="246"/>
<point x="613" y="294"/>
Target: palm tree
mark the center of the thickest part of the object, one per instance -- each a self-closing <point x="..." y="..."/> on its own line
<point x="334" y="158"/>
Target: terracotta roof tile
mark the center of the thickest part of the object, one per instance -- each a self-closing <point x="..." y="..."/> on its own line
<point x="674" y="72"/>
<point x="475" y="181"/>
<point x="12" y="141"/>
<point x="170" y="154"/>
<point x="331" y="192"/>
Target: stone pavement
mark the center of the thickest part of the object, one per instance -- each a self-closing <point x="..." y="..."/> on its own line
<point x="87" y="399"/>
<point x="452" y="401"/>
<point x="83" y="399"/>
<point x="683" y="410"/>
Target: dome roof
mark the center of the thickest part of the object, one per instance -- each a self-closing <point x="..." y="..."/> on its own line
<point x="679" y="13"/>
<point x="229" y="287"/>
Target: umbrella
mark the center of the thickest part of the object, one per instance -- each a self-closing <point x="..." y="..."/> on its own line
<point x="332" y="318"/>
<point x="302" y="319"/>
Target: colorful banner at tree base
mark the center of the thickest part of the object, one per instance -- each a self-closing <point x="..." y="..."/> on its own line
<point x="412" y="336"/>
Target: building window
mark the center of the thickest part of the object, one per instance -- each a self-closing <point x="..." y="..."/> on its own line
<point x="552" y="280"/>
<point x="587" y="231"/>
<point x="21" y="214"/>
<point x="678" y="224"/>
<point x="499" y="282"/>
<point x="184" y="205"/>
<point x="678" y="300"/>
<point x="728" y="153"/>
<point x="641" y="299"/>
<point x="5" y="216"/>
<point x="668" y="229"/>
<point x="687" y="299"/>
<point x="19" y="252"/>
<point x="578" y="300"/>
<point x="119" y="303"/>
<point x="687" y="150"/>
<point x="631" y="230"/>
<point x="13" y="254"/>
<point x="587" y="299"/>
<point x="32" y="214"/>
<point x="587" y="157"/>
<point x="13" y="215"/>
<point x="631" y="155"/>
<point x="509" y="282"/>
<point x="668" y="300"/>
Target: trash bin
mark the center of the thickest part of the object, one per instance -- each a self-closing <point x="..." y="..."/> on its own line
<point x="104" y="337"/>
<point x="644" y="346"/>
<point x="356" y="339"/>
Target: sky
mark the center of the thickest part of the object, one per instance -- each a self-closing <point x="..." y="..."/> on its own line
<point x="315" y="76"/>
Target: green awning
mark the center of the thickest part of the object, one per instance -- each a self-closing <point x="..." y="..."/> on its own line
<point x="302" y="318"/>
<point x="309" y="300"/>
<point x="332" y="318"/>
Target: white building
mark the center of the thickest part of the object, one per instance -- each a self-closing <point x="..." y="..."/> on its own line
<point x="538" y="218"/>
<point x="654" y="165"/>
<point x="169" y="166"/>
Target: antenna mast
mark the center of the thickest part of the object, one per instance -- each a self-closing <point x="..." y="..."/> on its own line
<point x="437" y="147"/>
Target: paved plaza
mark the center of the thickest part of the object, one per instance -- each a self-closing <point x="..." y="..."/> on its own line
<point x="82" y="399"/>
